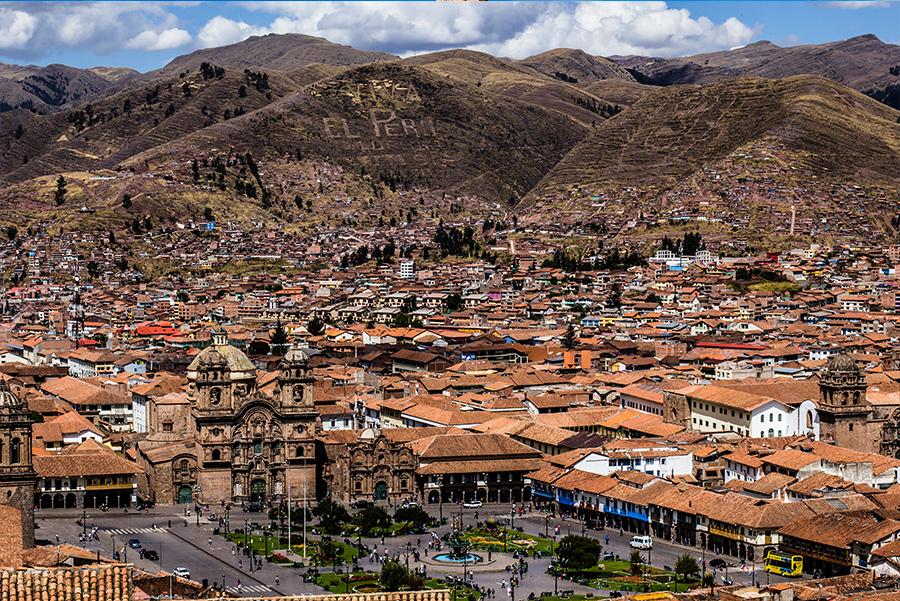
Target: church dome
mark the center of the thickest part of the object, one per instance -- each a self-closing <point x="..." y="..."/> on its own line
<point x="295" y="356"/>
<point x="842" y="364"/>
<point x="220" y="354"/>
<point x="7" y="396"/>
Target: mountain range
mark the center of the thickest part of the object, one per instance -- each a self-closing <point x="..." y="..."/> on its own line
<point x="562" y="124"/>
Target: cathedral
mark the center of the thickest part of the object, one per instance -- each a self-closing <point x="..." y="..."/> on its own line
<point x="239" y="445"/>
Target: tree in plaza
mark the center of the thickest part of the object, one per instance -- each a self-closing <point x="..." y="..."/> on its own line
<point x="637" y="562"/>
<point x="685" y="565"/>
<point x="393" y="576"/>
<point x="413" y="515"/>
<point x="372" y="517"/>
<point x="328" y="550"/>
<point x="331" y="515"/>
<point x="578" y="553"/>
<point x="570" y="338"/>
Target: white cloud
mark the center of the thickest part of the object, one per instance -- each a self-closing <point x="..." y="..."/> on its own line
<point x="857" y="4"/>
<point x="220" y="31"/>
<point x="16" y="28"/>
<point x="159" y="40"/>
<point x="504" y="28"/>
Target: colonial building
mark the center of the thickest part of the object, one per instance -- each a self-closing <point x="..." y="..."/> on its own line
<point x="844" y="410"/>
<point x="241" y="445"/>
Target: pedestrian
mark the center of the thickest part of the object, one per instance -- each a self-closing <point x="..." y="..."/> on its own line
<point x="209" y="541"/>
<point x="277" y="581"/>
<point x="170" y="523"/>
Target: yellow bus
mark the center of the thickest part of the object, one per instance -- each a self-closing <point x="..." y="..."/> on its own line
<point x="784" y="565"/>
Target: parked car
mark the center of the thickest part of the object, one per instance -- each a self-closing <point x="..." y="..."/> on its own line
<point x="609" y="556"/>
<point x="717" y="563"/>
<point x="182" y="572"/>
<point x="151" y="555"/>
<point x="472" y="504"/>
<point x="134" y="543"/>
<point x="641" y="542"/>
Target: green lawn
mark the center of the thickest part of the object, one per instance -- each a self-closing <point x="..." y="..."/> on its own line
<point x="368" y="582"/>
<point x="493" y="539"/>
<point x="261" y="544"/>
<point x="616" y="576"/>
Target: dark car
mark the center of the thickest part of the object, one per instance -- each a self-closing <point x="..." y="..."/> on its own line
<point x="151" y="555"/>
<point x="361" y="504"/>
<point x="134" y="543"/>
<point x="717" y="563"/>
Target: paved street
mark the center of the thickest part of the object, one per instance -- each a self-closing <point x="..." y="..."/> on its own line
<point x="180" y="542"/>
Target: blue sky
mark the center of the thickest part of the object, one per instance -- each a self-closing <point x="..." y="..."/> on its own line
<point x="146" y="35"/>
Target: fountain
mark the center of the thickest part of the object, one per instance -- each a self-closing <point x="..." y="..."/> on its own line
<point x="459" y="552"/>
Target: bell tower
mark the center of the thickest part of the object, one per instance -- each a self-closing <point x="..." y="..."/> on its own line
<point x="295" y="384"/>
<point x="17" y="477"/>
<point x="843" y="410"/>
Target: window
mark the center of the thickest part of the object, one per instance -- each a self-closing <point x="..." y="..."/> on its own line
<point x="15" y="452"/>
<point x="216" y="455"/>
<point x="850" y="427"/>
<point x="298" y="452"/>
<point x="403" y="485"/>
<point x="167" y="426"/>
<point x="257" y="447"/>
<point x="357" y="486"/>
<point x="779" y="417"/>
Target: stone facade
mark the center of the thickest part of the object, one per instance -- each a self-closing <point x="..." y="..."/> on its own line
<point x="18" y="480"/>
<point x="371" y="468"/>
<point x="241" y="446"/>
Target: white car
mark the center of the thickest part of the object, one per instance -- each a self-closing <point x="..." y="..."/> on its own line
<point x="641" y="542"/>
<point x="472" y="504"/>
<point x="182" y="573"/>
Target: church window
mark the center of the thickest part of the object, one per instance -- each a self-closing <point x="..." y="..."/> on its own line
<point x="809" y="419"/>
<point x="183" y="465"/>
<point x="257" y="447"/>
<point x="216" y="455"/>
<point x="167" y="426"/>
<point x="779" y="417"/>
<point x="850" y="428"/>
<point x="404" y="485"/>
<point x="357" y="486"/>
<point x="15" y="453"/>
<point x="299" y="452"/>
<point x="216" y="432"/>
<point x="215" y="396"/>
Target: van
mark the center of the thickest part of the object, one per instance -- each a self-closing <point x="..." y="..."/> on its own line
<point x="641" y="542"/>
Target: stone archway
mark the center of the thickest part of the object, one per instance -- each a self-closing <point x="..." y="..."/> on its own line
<point x="185" y="494"/>
<point x="381" y="490"/>
<point x="258" y="491"/>
<point x="71" y="501"/>
<point x="46" y="501"/>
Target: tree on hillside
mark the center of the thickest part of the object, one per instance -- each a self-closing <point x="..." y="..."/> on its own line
<point x="685" y="565"/>
<point x="570" y="338"/>
<point x="278" y="341"/>
<point x="315" y="326"/>
<point x="59" y="197"/>
<point x="578" y="553"/>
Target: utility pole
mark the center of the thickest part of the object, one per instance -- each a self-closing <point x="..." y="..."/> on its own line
<point x="304" y="510"/>
<point x="289" y="517"/>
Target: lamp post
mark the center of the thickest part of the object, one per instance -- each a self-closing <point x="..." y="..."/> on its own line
<point x="547" y="526"/>
<point x="555" y="567"/>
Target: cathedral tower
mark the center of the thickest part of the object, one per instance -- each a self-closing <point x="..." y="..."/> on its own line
<point x="17" y="476"/>
<point x="844" y="412"/>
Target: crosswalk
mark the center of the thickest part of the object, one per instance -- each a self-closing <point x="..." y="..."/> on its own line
<point x="120" y="531"/>
<point x="249" y="588"/>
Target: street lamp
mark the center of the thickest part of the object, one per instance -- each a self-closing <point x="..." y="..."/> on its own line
<point x="555" y="567"/>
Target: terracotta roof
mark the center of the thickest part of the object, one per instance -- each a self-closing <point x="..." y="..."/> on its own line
<point x="89" y="583"/>
<point x="87" y="459"/>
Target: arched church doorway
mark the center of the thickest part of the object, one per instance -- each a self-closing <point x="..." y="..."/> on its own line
<point x="381" y="490"/>
<point x="258" y="491"/>
<point x="185" y="494"/>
